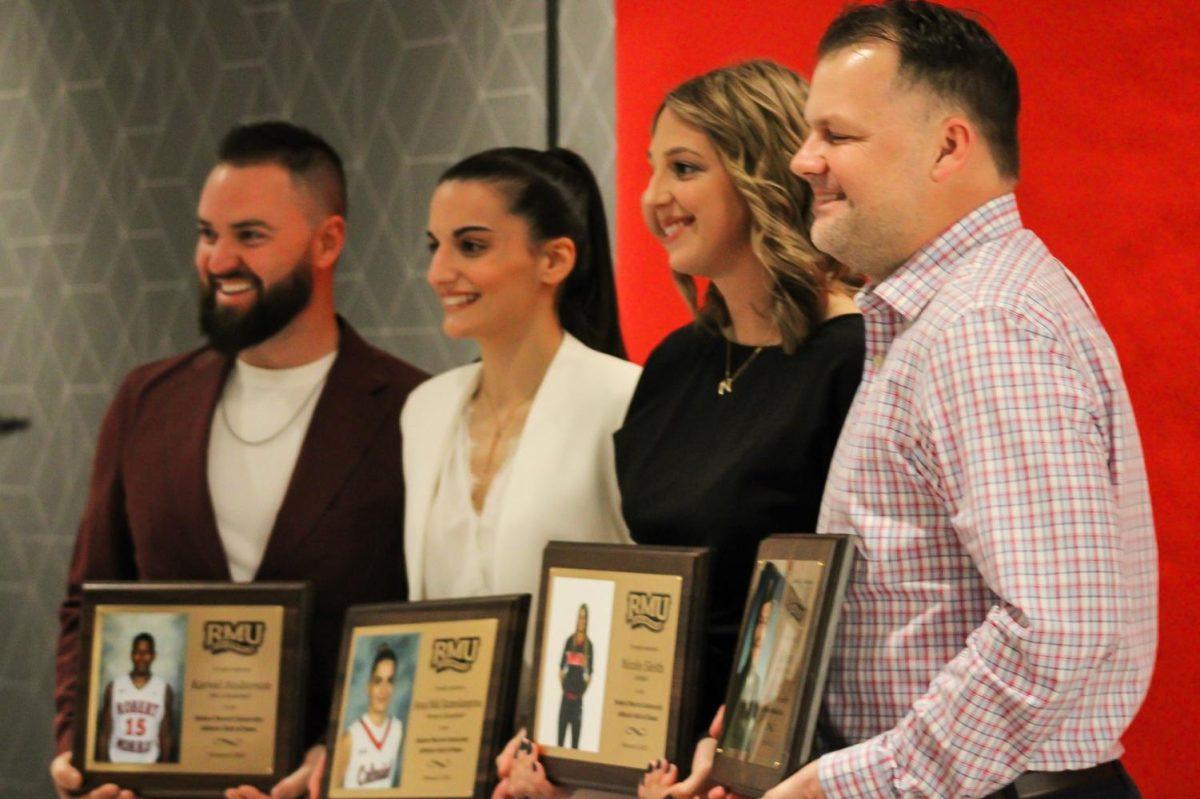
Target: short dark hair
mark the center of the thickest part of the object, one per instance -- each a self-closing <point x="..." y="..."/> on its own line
<point x="949" y="52"/>
<point x="305" y="155"/>
<point x="384" y="652"/>
<point x="556" y="194"/>
<point x="147" y="637"/>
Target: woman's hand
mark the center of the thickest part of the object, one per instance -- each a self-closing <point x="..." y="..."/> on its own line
<point x="527" y="776"/>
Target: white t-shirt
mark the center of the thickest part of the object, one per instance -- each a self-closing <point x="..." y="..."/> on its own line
<point x="247" y="481"/>
<point x="137" y="715"/>
<point x="374" y="753"/>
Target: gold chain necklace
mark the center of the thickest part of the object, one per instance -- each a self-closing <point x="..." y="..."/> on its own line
<point x="258" y="442"/>
<point x="726" y="386"/>
<point x="501" y="424"/>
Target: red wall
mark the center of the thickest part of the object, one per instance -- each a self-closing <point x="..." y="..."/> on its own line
<point x="1109" y="126"/>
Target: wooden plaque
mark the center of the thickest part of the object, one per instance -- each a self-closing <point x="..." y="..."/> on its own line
<point x="618" y="645"/>
<point x="781" y="660"/>
<point x="425" y="697"/>
<point x="187" y="689"/>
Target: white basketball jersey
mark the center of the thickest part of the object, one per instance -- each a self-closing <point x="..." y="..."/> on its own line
<point x="137" y="714"/>
<point x="374" y="753"/>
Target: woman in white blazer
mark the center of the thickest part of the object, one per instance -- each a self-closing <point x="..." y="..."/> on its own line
<point x="515" y="450"/>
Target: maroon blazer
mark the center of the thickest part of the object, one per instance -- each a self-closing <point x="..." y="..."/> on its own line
<point x="149" y="514"/>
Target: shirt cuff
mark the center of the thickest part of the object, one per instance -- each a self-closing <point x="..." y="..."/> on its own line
<point x="864" y="770"/>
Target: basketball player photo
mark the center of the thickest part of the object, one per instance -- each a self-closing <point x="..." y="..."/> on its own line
<point x="574" y="675"/>
<point x="138" y="712"/>
<point x="370" y="748"/>
<point x="574" y="663"/>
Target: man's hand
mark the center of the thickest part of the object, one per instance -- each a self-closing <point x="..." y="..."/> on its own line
<point x="293" y="786"/>
<point x="804" y="784"/>
<point x="67" y="780"/>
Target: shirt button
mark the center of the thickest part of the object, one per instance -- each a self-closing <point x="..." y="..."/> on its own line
<point x="878" y="361"/>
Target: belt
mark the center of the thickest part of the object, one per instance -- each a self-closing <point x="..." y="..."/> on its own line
<point x="1044" y="784"/>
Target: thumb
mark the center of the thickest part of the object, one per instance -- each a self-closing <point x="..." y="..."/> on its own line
<point x="65" y="775"/>
<point x="294" y="785"/>
<point x="313" y="783"/>
<point x="718" y="723"/>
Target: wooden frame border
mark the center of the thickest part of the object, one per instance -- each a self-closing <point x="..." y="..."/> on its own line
<point x="296" y="600"/>
<point x="512" y="613"/>
<point x="692" y="565"/>
<point x="838" y="552"/>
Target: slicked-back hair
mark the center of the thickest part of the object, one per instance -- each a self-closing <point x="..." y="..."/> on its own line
<point x="950" y="53"/>
<point x="308" y="158"/>
<point x="556" y="194"/>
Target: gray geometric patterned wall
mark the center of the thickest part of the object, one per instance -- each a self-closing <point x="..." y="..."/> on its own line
<point x="109" y="114"/>
<point x="587" y="89"/>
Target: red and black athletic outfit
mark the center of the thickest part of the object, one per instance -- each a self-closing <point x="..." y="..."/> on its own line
<point x="577" y="664"/>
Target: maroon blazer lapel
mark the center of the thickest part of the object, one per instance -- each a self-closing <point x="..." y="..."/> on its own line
<point x="193" y="465"/>
<point x="347" y="417"/>
<point x="172" y="495"/>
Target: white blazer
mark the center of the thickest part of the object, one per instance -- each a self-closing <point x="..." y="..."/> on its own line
<point x="563" y="482"/>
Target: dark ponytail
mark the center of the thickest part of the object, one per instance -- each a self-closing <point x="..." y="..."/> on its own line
<point x="556" y="194"/>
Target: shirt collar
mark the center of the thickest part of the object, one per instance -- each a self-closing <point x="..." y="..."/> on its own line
<point x="910" y="288"/>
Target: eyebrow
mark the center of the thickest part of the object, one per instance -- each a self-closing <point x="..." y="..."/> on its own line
<point x="828" y="119"/>
<point x="674" y="151"/>
<point x="462" y="231"/>
<point x="242" y="224"/>
<point x="249" y="223"/>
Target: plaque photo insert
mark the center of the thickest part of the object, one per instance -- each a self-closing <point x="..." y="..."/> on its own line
<point x="781" y="660"/>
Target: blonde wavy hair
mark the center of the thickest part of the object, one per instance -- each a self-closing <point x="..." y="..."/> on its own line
<point x="753" y="113"/>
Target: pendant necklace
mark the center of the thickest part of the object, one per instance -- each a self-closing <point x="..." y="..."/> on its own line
<point x="726" y="386"/>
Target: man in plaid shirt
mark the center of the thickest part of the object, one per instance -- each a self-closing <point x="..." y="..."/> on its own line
<point x="999" y="634"/>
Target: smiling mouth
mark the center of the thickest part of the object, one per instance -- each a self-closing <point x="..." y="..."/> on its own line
<point x="671" y="229"/>
<point x="233" y="286"/>
<point x="459" y="300"/>
<point x="822" y="200"/>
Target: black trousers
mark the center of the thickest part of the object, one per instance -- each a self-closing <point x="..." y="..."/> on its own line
<point x="1118" y="785"/>
<point x="570" y="716"/>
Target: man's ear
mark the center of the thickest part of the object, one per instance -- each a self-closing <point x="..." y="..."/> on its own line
<point x="328" y="241"/>
<point x="556" y="261"/>
<point x="957" y="138"/>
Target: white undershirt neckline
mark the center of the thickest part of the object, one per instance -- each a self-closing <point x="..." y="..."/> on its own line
<point x="247" y="481"/>
<point x="459" y="561"/>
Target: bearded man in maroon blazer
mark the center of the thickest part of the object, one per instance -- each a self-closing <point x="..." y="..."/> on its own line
<point x="272" y="453"/>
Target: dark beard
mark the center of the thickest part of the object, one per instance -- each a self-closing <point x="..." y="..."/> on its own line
<point x="230" y="331"/>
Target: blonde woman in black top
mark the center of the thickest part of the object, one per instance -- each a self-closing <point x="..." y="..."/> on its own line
<point x="733" y="423"/>
<point x="731" y="429"/>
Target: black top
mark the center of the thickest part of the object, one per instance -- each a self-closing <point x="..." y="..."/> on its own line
<point x="577" y="660"/>
<point x="699" y="469"/>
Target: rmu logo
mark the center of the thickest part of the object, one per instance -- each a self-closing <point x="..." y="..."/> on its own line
<point x="647" y="610"/>
<point x="241" y="637"/>
<point x="456" y="654"/>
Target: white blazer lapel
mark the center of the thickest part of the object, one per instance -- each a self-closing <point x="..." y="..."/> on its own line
<point x="527" y="482"/>
<point x="428" y="428"/>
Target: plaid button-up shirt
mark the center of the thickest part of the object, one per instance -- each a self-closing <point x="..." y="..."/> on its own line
<point x="1003" y="614"/>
